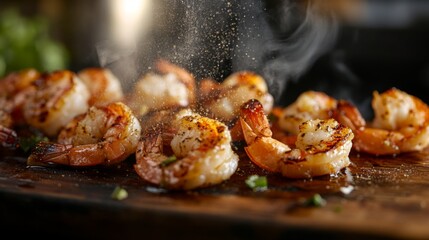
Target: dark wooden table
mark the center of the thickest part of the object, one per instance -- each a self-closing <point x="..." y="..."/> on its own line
<point x="389" y="199"/>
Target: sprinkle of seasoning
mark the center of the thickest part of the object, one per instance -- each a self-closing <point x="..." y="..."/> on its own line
<point x="257" y="183"/>
<point x="119" y="193"/>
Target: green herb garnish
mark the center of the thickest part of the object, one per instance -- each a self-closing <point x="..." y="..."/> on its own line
<point x="27" y="143"/>
<point x="119" y="193"/>
<point x="168" y="161"/>
<point x="316" y="201"/>
<point x="257" y="183"/>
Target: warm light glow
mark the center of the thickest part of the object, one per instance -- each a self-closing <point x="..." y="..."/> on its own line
<point x="131" y="19"/>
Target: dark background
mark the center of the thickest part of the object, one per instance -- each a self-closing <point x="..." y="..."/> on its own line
<point x="378" y="44"/>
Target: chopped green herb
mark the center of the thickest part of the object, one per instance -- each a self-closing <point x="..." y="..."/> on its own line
<point x="27" y="143"/>
<point x="257" y="183"/>
<point x="316" y="201"/>
<point x="119" y="193"/>
<point x="168" y="161"/>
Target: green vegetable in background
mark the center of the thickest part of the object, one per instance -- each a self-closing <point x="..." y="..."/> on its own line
<point x="25" y="43"/>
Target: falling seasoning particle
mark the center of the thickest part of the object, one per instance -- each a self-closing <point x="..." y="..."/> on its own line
<point x="119" y="193"/>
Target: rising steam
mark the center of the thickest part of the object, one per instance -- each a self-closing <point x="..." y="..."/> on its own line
<point x="288" y="57"/>
<point x="214" y="39"/>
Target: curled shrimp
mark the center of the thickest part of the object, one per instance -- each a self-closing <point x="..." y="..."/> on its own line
<point x="309" y="105"/>
<point x="17" y="82"/>
<point x="401" y="124"/>
<point x="104" y="87"/>
<point x="322" y="146"/>
<point x="58" y="98"/>
<point x="202" y="154"/>
<point x="104" y="135"/>
<point x="169" y="87"/>
<point x="14" y="91"/>
<point x="225" y="100"/>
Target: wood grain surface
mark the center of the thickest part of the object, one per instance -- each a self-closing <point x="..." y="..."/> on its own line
<point x="389" y="199"/>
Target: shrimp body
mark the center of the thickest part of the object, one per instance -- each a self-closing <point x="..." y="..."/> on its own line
<point x="14" y="91"/>
<point x="17" y="82"/>
<point x="202" y="148"/>
<point x="401" y="124"/>
<point x="395" y="109"/>
<point x="58" y="98"/>
<point x="174" y="87"/>
<point x="322" y="146"/>
<point x="104" y="87"/>
<point x="309" y="105"/>
<point x="104" y="135"/>
<point x="235" y="90"/>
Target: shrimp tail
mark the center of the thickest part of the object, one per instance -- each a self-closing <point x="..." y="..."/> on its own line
<point x="48" y="152"/>
<point x="252" y="113"/>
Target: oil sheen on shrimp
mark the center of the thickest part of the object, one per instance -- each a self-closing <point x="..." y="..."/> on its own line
<point x="169" y="87"/>
<point x="201" y="154"/>
<point x="401" y="124"/>
<point x="104" y="135"/>
<point x="309" y="105"/>
<point x="322" y="146"/>
<point x="225" y="101"/>
<point x="59" y="97"/>
<point x="104" y="87"/>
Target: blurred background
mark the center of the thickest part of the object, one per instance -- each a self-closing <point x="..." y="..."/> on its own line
<point x="346" y="48"/>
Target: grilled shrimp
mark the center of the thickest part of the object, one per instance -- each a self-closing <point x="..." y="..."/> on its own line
<point x="14" y="91"/>
<point x="173" y="87"/>
<point x="59" y="97"/>
<point x="225" y="101"/>
<point x="309" y="105"/>
<point x="322" y="146"/>
<point x="104" y="135"/>
<point x="401" y="124"/>
<point x="17" y="82"/>
<point x="201" y="154"/>
<point x="104" y="87"/>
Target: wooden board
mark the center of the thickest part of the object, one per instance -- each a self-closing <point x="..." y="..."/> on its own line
<point x="390" y="199"/>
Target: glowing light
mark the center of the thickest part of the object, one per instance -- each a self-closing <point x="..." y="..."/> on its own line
<point x="130" y="19"/>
